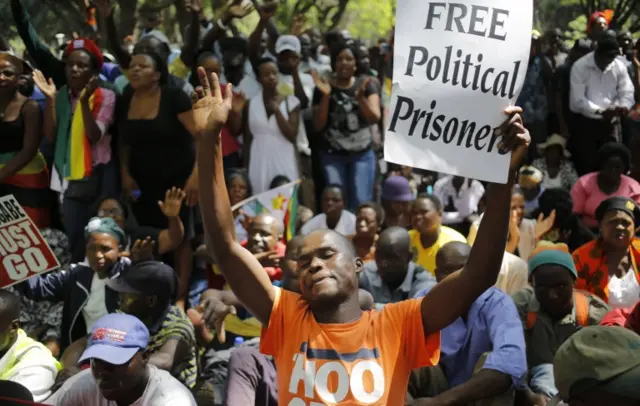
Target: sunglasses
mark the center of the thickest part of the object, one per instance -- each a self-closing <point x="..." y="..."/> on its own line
<point x="8" y="73"/>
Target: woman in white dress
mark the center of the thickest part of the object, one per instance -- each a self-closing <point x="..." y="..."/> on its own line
<point x="271" y="125"/>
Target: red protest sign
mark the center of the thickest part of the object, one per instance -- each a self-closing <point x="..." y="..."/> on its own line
<point x="23" y="251"/>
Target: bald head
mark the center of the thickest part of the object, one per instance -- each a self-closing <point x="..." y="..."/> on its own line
<point x="450" y="258"/>
<point x="340" y="241"/>
<point x="268" y="219"/>
<point x="394" y="239"/>
<point x="264" y="232"/>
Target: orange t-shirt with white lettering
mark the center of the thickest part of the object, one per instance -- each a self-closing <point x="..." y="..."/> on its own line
<point x="366" y="362"/>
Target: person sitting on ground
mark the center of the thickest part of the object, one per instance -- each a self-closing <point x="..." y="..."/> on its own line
<point x="460" y="197"/>
<point x="330" y="322"/>
<point x="264" y="240"/>
<point x="334" y="216"/>
<point x="369" y="218"/>
<point x="396" y="200"/>
<point x="551" y="311"/>
<point x="599" y="366"/>
<point x="120" y="373"/>
<point x="147" y="291"/>
<point x="428" y="234"/>
<point x="608" y="266"/>
<point x="22" y="359"/>
<point x="483" y="355"/>
<point x="251" y="375"/>
<point x="614" y="161"/>
<point x="165" y="240"/>
<point x="557" y="170"/>
<point x="83" y="287"/>
<point x="393" y="277"/>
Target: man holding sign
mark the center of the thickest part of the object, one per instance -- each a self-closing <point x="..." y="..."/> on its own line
<point x="372" y="353"/>
<point x="23" y="251"/>
<point x="455" y="66"/>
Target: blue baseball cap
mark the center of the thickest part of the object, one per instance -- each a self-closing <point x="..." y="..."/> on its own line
<point x="115" y="339"/>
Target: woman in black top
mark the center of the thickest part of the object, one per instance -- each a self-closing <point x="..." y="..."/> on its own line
<point x="158" y="151"/>
<point x="344" y="111"/>
<point x="23" y="170"/>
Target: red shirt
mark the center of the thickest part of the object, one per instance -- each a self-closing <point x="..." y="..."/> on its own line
<point x="215" y="280"/>
<point x="628" y="318"/>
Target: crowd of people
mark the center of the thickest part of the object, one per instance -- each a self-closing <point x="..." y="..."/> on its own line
<point x="400" y="286"/>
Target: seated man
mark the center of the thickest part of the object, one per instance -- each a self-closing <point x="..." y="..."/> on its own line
<point x="120" y="373"/>
<point x="483" y="354"/>
<point x="251" y="375"/>
<point x="264" y="241"/>
<point x="147" y="291"/>
<point x="551" y="312"/>
<point x="393" y="277"/>
<point x="599" y="366"/>
<point x="334" y="216"/>
<point x="372" y="352"/>
<point x="22" y="359"/>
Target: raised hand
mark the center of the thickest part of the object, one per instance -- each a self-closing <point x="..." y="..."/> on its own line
<point x="240" y="9"/>
<point x="321" y="83"/>
<point x="362" y="89"/>
<point x="104" y="7"/>
<point x="142" y="250"/>
<point x="194" y="6"/>
<point x="89" y="89"/>
<point x="210" y="108"/>
<point x="515" y="137"/>
<point x="544" y="225"/>
<point x="214" y="312"/>
<point x="172" y="202"/>
<point x="267" y="9"/>
<point x="46" y="86"/>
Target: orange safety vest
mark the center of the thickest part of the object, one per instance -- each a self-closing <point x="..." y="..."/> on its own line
<point x="582" y="311"/>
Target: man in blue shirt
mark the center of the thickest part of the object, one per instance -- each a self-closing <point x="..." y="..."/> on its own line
<point x="483" y="355"/>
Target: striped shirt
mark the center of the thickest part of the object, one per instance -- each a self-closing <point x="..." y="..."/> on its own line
<point x="177" y="326"/>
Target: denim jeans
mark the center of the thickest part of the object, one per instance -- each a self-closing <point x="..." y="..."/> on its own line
<point x="542" y="381"/>
<point x="355" y="173"/>
<point x="76" y="214"/>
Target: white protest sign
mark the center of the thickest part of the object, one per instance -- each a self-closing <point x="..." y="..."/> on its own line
<point x="456" y="66"/>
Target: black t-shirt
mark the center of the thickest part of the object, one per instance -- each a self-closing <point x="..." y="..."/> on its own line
<point x="162" y="150"/>
<point x="347" y="131"/>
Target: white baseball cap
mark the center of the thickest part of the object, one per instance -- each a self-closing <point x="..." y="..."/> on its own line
<point x="288" y="43"/>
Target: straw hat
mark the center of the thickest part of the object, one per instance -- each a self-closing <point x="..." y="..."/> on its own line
<point x="555" y="139"/>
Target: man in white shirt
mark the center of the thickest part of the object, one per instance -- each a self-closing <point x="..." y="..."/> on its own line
<point x="333" y="216"/>
<point x="22" y="359"/>
<point x="601" y="93"/>
<point x="119" y="373"/>
<point x="460" y="197"/>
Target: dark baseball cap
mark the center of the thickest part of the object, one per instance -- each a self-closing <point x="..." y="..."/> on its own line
<point x="147" y="278"/>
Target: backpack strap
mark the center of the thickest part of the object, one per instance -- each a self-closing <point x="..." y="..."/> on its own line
<point x="581" y="304"/>
<point x="582" y="308"/>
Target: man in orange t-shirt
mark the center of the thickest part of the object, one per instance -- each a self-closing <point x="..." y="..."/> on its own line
<point x="327" y="350"/>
